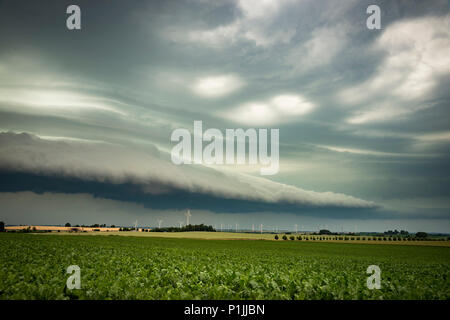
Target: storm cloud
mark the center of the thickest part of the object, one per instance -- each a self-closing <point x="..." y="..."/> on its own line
<point x="363" y="114"/>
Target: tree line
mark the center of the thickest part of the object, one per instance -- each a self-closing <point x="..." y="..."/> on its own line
<point x="190" y="227"/>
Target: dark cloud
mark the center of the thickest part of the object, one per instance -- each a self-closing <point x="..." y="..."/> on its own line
<point x="106" y="99"/>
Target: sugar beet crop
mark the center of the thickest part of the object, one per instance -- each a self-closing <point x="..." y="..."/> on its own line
<point x="114" y="267"/>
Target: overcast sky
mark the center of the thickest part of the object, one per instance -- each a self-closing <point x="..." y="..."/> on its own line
<point x="86" y="115"/>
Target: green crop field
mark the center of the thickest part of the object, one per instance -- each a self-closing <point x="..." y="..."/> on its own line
<point x="263" y="236"/>
<point x="112" y="267"/>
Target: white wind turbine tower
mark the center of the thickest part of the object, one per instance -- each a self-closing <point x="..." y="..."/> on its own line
<point x="180" y="223"/>
<point x="253" y="227"/>
<point x="159" y="223"/>
<point x="296" y="228"/>
<point x="188" y="215"/>
<point x="237" y="225"/>
<point x="135" y="225"/>
<point x="260" y="227"/>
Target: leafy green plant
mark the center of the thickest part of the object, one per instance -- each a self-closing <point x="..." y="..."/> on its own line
<point x="33" y="266"/>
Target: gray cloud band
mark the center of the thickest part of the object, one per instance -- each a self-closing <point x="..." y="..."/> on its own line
<point x="108" y="162"/>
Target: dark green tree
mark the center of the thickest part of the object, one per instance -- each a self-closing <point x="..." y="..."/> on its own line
<point x="421" y="235"/>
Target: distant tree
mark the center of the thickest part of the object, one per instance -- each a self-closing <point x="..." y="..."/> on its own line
<point x="292" y="237"/>
<point x="285" y="237"/>
<point x="421" y="235"/>
<point x="324" y="231"/>
<point x="276" y="237"/>
<point x="68" y="224"/>
<point x="299" y="237"/>
<point x="2" y="226"/>
<point x="190" y="227"/>
<point x="113" y="226"/>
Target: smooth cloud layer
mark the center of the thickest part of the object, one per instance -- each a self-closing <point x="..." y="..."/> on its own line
<point x="217" y="86"/>
<point x="277" y="110"/>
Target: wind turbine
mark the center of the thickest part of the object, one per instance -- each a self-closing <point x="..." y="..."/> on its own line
<point x="181" y="223"/>
<point x="135" y="225"/>
<point x="296" y="228"/>
<point x="159" y="223"/>
<point x="237" y="225"/>
<point x="260" y="227"/>
<point x="188" y="215"/>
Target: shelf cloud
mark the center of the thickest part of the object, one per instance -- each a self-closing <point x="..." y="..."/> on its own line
<point x="152" y="172"/>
